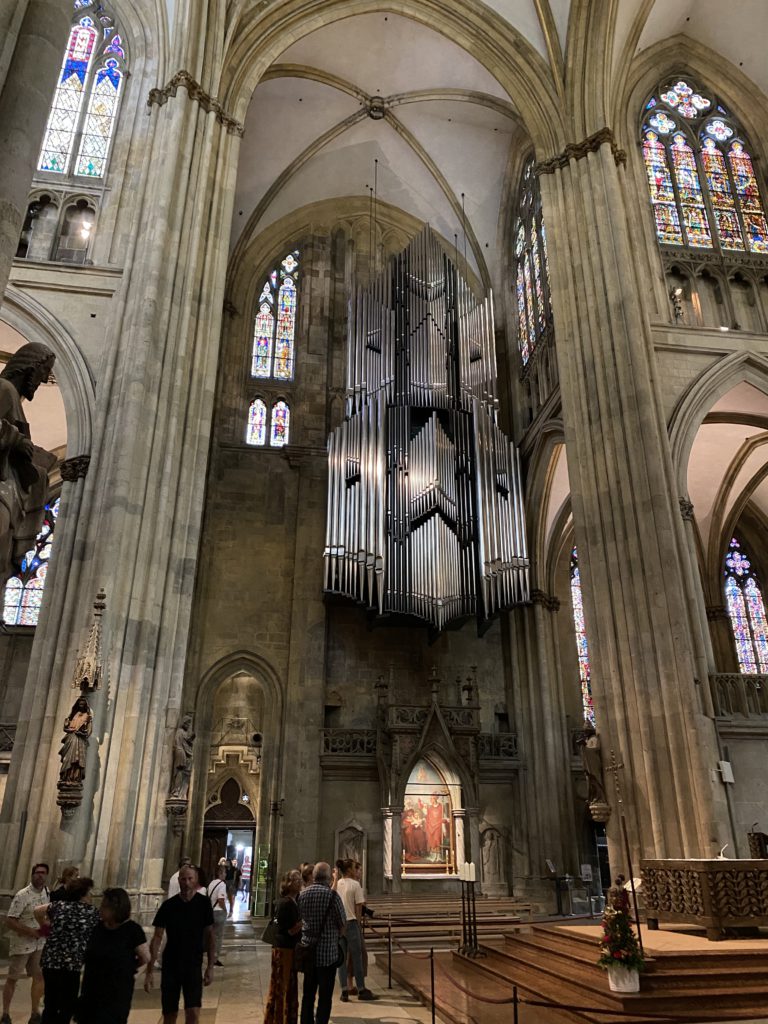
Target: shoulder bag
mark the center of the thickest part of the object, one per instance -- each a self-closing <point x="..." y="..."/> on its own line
<point x="270" y="933"/>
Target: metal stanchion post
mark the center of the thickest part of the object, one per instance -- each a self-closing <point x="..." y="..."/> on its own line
<point x="474" y="921"/>
<point x="515" y="1017"/>
<point x="432" y="980"/>
<point x="463" y="945"/>
<point x="389" y="950"/>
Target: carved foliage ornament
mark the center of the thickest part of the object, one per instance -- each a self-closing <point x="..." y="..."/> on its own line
<point x="578" y="150"/>
<point x="184" y="80"/>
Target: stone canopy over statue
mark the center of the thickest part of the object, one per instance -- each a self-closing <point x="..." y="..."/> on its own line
<point x="23" y="466"/>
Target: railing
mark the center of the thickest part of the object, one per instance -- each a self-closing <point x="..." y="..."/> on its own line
<point x="739" y="693"/>
<point x="348" y="741"/>
<point x="498" y="746"/>
<point x="406" y="716"/>
<point x="7" y="737"/>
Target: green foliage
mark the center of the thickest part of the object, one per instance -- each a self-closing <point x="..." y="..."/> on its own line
<point x="619" y="946"/>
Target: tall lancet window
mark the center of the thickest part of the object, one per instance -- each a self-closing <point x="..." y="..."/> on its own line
<point x="534" y="312"/>
<point x="702" y="182"/>
<point x="746" y="609"/>
<point x="24" y="593"/>
<point x="274" y="332"/>
<point x="582" y="648"/>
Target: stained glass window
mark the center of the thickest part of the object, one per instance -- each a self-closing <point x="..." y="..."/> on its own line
<point x="82" y="116"/>
<point x="746" y="609"/>
<point x="24" y="592"/>
<point x="256" y="432"/>
<point x="280" y="424"/>
<point x="534" y="313"/>
<point x="662" y="193"/>
<point x="274" y="333"/>
<point x="581" y="640"/>
<point x="702" y="183"/>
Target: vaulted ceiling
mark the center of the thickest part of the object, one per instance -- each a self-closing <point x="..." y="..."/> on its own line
<point x="447" y="127"/>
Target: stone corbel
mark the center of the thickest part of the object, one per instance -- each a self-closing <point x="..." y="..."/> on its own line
<point x="184" y="80"/>
<point x="686" y="509"/>
<point x="548" y="601"/>
<point x="578" y="150"/>
<point x="75" y="468"/>
<point x="176" y="809"/>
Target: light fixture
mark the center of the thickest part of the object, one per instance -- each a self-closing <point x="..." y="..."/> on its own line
<point x="724" y="328"/>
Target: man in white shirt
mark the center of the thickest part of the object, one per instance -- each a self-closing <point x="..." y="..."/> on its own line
<point x="26" y="942"/>
<point x="352" y="897"/>
<point x="173" y="883"/>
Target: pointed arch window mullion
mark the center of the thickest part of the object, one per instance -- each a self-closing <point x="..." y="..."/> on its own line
<point x="714" y="226"/>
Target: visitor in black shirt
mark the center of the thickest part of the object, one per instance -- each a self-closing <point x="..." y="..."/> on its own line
<point x="116" y="949"/>
<point x="187" y="921"/>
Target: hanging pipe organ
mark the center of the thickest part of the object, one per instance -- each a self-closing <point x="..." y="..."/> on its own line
<point x="425" y="508"/>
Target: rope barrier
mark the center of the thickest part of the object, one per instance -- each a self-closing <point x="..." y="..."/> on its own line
<point x="516" y="999"/>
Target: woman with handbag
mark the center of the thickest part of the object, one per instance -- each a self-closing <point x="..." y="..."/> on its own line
<point x="283" y="999"/>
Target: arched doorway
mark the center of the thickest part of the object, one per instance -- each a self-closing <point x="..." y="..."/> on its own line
<point x="230" y="831"/>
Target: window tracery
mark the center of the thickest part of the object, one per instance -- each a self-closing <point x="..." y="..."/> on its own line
<point x="534" y="312"/>
<point x="701" y="179"/>
<point x="273" y="354"/>
<point x="82" y="118"/>
<point x="746" y="608"/>
<point x="274" y="332"/>
<point x="268" y="427"/>
<point x="582" y="648"/>
<point x="24" y="592"/>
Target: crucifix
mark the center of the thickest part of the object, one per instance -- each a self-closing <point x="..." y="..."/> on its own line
<point x="614" y="767"/>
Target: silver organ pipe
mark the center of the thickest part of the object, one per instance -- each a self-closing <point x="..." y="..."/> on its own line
<point x="425" y="505"/>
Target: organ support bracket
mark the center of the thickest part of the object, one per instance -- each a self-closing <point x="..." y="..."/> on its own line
<point x="425" y="506"/>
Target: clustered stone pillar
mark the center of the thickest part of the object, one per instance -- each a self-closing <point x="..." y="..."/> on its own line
<point x="645" y="665"/>
<point x="151" y="440"/>
<point x="25" y="99"/>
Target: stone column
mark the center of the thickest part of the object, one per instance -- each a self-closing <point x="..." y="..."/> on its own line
<point x="386" y="815"/>
<point x="141" y="512"/>
<point x="475" y="852"/>
<point x="541" y="727"/>
<point x="25" y="100"/>
<point x="721" y="634"/>
<point x="11" y="16"/>
<point x="461" y="842"/>
<point x="397" y="849"/>
<point x="626" y="517"/>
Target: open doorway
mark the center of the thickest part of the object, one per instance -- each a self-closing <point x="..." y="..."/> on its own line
<point x="229" y="834"/>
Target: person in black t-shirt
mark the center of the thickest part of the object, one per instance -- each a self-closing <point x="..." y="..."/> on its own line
<point x="187" y="920"/>
<point x="116" y="949"/>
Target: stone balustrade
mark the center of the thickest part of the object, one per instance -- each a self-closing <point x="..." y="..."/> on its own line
<point x="497" y="746"/>
<point x="739" y="693"/>
<point x="353" y="742"/>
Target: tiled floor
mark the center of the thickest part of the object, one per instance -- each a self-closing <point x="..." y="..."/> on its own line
<point x="239" y="991"/>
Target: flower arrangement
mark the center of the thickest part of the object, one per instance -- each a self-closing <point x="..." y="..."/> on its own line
<point x="619" y="946"/>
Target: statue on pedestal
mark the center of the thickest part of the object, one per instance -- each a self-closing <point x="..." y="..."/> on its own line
<point x="182" y="759"/>
<point x="78" y="726"/>
<point x="592" y="761"/>
<point x="493" y="857"/>
<point x="23" y="466"/>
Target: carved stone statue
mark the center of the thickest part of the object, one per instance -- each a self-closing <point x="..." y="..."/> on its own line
<point x="493" y="857"/>
<point x="182" y="758"/>
<point x="592" y="761"/>
<point x="23" y="466"/>
<point x="74" y="747"/>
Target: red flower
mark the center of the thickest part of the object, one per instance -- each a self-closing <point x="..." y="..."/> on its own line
<point x="617" y="954"/>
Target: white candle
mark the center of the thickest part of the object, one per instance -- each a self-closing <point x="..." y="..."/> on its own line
<point x="472" y="871"/>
